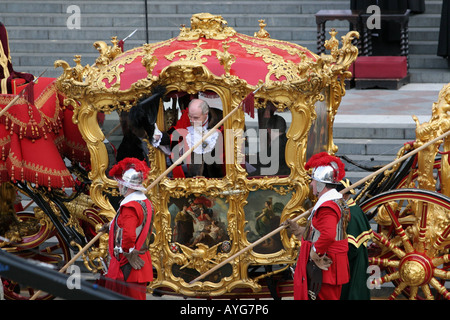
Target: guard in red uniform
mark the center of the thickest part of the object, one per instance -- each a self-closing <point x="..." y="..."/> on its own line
<point x="129" y="232"/>
<point x="322" y="266"/>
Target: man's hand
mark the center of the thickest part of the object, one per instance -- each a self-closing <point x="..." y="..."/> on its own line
<point x="157" y="134"/>
<point x="323" y="262"/>
<point x="133" y="258"/>
<point x="293" y="227"/>
<point x="104" y="228"/>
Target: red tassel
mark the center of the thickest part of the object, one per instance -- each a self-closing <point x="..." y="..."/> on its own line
<point x="248" y="104"/>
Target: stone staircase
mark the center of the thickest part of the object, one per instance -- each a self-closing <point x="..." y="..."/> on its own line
<point x="370" y="146"/>
<point x="425" y="65"/>
<point x="39" y="30"/>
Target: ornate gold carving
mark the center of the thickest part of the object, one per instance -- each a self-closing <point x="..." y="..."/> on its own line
<point x="107" y="53"/>
<point x="226" y="59"/>
<point x="421" y="224"/>
<point x="202" y="258"/>
<point x="438" y="124"/>
<point x="95" y="258"/>
<point x="288" y="86"/>
<point x="206" y="25"/>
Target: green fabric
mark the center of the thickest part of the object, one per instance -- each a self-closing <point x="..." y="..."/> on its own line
<point x="358" y="228"/>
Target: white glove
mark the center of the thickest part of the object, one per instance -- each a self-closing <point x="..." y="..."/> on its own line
<point x="157" y="135"/>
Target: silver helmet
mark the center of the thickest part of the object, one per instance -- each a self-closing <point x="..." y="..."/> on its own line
<point x="326" y="174"/>
<point x="132" y="179"/>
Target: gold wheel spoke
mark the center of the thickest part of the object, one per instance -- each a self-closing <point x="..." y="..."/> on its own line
<point x="420" y="245"/>
<point x="397" y="290"/>
<point x="413" y="293"/>
<point x="440" y="288"/>
<point x="384" y="241"/>
<point x="384" y="262"/>
<point x="390" y="277"/>
<point x="414" y="229"/>
<point x="442" y="274"/>
<point x="399" y="230"/>
<point x="427" y="292"/>
<point x="438" y="244"/>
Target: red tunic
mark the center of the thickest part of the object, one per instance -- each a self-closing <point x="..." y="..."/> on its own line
<point x="131" y="216"/>
<point x="325" y="220"/>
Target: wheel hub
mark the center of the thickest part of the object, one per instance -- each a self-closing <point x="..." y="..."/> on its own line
<point x="415" y="269"/>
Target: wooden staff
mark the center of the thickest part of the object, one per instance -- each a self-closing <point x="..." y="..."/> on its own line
<point x="75" y="257"/>
<point x="112" y="130"/>
<point x="28" y="204"/>
<point x="353" y="186"/>
<point x="13" y="101"/>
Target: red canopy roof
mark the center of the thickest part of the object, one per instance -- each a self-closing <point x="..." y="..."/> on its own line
<point x="254" y="58"/>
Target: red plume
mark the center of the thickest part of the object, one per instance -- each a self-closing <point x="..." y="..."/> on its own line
<point x="138" y="165"/>
<point x="324" y="159"/>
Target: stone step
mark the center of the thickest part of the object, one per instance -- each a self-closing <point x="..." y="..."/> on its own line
<point x="87" y="19"/>
<point x="371" y="147"/>
<point x="183" y="8"/>
<point x="423" y="47"/>
<point x="373" y="131"/>
<point x="243" y="7"/>
<point x="433" y="6"/>
<point x="56" y="33"/>
<point x="425" y="20"/>
<point x="427" y="61"/>
<point x="430" y="75"/>
<point x="62" y="46"/>
<point x="52" y="6"/>
<point x="424" y="34"/>
<point x="365" y="161"/>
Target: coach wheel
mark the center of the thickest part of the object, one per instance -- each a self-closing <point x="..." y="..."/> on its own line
<point x="411" y="243"/>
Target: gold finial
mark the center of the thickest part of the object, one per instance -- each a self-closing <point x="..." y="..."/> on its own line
<point x="262" y="33"/>
<point x="332" y="44"/>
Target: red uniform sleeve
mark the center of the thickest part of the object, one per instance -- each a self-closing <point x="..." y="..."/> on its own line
<point x="129" y="220"/>
<point x="325" y="221"/>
